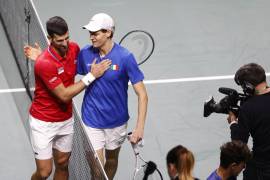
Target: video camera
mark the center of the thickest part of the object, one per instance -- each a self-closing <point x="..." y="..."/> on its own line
<point x="231" y="102"/>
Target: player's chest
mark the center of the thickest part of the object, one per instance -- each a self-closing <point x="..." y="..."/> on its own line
<point x="66" y="69"/>
<point x="116" y="71"/>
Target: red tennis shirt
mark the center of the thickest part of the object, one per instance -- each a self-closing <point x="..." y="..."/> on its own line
<point x="50" y="71"/>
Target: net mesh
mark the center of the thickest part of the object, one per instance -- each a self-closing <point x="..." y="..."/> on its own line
<point x="22" y="26"/>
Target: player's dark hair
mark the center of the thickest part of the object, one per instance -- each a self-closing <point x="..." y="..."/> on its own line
<point x="56" y="25"/>
<point x="234" y="152"/>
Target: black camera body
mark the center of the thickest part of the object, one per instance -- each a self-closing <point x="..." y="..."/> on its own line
<point x="231" y="102"/>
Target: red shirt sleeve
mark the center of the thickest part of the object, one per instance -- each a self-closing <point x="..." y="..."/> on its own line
<point x="48" y="73"/>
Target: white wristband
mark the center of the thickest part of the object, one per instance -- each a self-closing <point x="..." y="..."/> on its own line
<point x="88" y="79"/>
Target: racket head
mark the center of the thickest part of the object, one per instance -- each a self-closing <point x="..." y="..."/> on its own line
<point x="148" y="172"/>
<point x="140" y="43"/>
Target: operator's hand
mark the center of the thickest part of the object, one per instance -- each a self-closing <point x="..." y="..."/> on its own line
<point x="231" y="118"/>
<point x="136" y="135"/>
<point x="32" y="52"/>
<point x="98" y="69"/>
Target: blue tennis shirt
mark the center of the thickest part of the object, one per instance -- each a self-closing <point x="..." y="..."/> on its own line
<point x="105" y="102"/>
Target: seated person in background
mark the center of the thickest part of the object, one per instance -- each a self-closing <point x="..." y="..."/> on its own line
<point x="180" y="163"/>
<point x="233" y="158"/>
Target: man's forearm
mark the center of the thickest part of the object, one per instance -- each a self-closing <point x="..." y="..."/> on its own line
<point x="142" y="110"/>
<point x="72" y="91"/>
<point x="66" y="94"/>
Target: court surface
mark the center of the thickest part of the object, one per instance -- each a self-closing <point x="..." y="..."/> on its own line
<point x="197" y="43"/>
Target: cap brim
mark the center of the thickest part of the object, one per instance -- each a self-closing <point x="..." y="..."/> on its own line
<point x="91" y="28"/>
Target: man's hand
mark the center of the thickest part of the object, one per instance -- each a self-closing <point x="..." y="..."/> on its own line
<point x="32" y="52"/>
<point x="136" y="136"/>
<point x="98" y="69"/>
<point x="231" y="118"/>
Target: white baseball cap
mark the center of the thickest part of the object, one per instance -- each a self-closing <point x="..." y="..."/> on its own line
<point x="100" y="21"/>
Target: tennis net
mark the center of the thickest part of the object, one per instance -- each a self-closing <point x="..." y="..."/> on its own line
<point x="23" y="26"/>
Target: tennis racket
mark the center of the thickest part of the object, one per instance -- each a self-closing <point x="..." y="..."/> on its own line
<point x="140" y="43"/>
<point x="144" y="170"/>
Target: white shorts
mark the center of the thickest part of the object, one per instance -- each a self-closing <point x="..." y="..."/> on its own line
<point x="45" y="136"/>
<point x="109" y="139"/>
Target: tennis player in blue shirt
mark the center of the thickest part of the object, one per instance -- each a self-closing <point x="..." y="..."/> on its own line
<point x="105" y="103"/>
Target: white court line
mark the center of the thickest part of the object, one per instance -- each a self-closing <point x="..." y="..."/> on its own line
<point x="14" y="90"/>
<point x="160" y="81"/>
<point x="207" y="78"/>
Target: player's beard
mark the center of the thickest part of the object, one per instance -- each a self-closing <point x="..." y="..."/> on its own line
<point x="61" y="49"/>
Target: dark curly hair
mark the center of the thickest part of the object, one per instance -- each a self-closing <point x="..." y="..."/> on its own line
<point x="234" y="152"/>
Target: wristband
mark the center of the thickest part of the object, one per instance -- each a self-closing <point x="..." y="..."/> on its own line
<point x="88" y="79"/>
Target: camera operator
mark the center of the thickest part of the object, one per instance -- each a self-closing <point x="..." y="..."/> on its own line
<point x="253" y="120"/>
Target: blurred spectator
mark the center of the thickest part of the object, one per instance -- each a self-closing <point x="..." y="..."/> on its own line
<point x="180" y="163"/>
<point x="233" y="158"/>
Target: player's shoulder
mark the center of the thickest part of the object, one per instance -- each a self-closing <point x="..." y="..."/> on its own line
<point x="44" y="60"/>
<point x="124" y="52"/>
<point x="74" y="46"/>
<point x="120" y="48"/>
<point x="87" y="49"/>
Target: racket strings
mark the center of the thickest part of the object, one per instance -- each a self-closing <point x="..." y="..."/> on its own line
<point x="140" y="43"/>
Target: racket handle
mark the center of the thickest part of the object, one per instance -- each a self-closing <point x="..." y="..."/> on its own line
<point x="136" y="146"/>
<point x="140" y="142"/>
